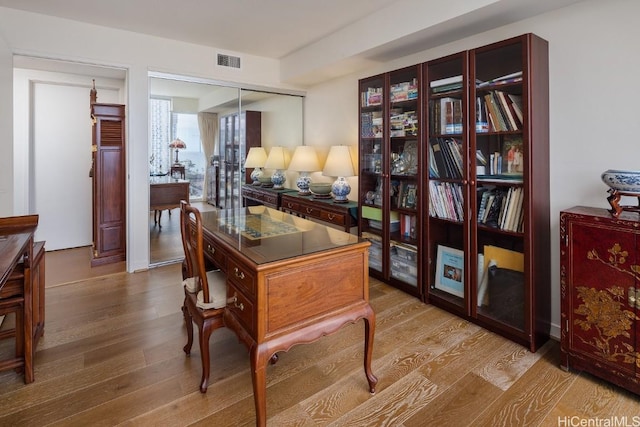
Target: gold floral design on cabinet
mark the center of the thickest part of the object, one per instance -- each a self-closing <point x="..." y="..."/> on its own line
<point x="603" y="311"/>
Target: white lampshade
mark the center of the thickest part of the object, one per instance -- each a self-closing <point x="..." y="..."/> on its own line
<point x="278" y="158"/>
<point x="256" y="158"/>
<point x="304" y="159"/>
<point x="338" y="162"/>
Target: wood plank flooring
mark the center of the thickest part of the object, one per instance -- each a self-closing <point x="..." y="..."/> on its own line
<point x="112" y="355"/>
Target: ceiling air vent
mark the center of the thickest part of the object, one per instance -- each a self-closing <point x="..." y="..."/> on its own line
<point x="228" y="61"/>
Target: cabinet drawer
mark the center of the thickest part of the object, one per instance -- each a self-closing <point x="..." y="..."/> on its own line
<point x="294" y="206"/>
<point x="332" y="217"/>
<point x="269" y="199"/>
<point x="214" y="254"/>
<point x="241" y="277"/>
<point x="240" y="306"/>
<point x="310" y="211"/>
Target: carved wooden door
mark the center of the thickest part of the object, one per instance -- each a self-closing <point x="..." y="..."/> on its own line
<point x="108" y="174"/>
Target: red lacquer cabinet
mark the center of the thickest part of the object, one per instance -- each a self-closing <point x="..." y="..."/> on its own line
<point x="600" y="294"/>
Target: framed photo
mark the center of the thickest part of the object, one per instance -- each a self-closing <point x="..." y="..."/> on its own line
<point x="450" y="271"/>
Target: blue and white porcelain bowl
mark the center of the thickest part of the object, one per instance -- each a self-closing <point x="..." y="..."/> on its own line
<point x="625" y="181"/>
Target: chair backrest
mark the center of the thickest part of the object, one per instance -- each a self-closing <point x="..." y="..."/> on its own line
<point x="193" y="243"/>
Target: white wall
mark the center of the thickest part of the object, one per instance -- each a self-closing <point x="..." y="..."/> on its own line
<point x="594" y="108"/>
<point x="6" y="130"/>
<point x="52" y="151"/>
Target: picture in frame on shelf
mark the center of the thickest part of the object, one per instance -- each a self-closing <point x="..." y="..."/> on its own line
<point x="450" y="271"/>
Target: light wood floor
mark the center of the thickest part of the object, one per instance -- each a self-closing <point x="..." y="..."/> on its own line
<point x="112" y="355"/>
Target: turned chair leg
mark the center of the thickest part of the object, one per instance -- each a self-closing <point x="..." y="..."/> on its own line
<point x="189" y="324"/>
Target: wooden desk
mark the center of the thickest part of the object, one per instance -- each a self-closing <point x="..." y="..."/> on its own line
<point x="166" y="192"/>
<point x="254" y="195"/>
<point x="344" y="215"/>
<point x="292" y="281"/>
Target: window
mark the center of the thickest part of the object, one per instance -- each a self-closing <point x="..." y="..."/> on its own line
<point x="166" y="126"/>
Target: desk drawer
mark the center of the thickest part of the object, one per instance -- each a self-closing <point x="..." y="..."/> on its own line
<point x="241" y="277"/>
<point x="214" y="254"/>
<point x="332" y="217"/>
<point x="241" y="307"/>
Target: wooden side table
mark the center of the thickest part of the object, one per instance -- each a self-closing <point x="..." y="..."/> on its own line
<point x="177" y="169"/>
<point x="256" y="195"/>
<point x="344" y="215"/>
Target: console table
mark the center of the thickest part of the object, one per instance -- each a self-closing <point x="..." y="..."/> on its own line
<point x="166" y="192"/>
<point x="290" y="281"/>
<point x="256" y="195"/>
<point x="344" y="215"/>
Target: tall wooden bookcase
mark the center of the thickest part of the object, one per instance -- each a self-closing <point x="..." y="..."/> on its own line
<point x="390" y="169"/>
<point x="482" y="180"/>
<point x="238" y="133"/>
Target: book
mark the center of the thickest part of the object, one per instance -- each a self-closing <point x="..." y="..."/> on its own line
<point x="446" y="81"/>
<point x="438" y="156"/>
<point x="516" y="102"/>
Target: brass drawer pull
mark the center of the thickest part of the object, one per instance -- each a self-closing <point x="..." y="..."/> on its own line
<point x="239" y="274"/>
<point x="309" y="210"/>
<point x="289" y="205"/>
<point x="211" y="249"/>
<point x="234" y="300"/>
<point x="331" y="216"/>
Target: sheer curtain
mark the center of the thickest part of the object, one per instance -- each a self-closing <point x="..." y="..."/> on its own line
<point x="208" y="124"/>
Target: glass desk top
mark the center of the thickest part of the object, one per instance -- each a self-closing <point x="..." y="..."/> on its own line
<point x="265" y="235"/>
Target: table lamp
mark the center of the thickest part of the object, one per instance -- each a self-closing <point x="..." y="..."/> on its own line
<point x="277" y="159"/>
<point x="304" y="160"/>
<point x="256" y="158"/>
<point x="339" y="164"/>
<point x="177" y="144"/>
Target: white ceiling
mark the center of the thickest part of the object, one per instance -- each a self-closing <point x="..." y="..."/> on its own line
<point x="291" y="29"/>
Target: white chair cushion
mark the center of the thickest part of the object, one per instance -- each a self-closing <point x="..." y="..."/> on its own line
<point x="217" y="291"/>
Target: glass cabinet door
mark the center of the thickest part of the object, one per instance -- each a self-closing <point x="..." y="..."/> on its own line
<point x="404" y="196"/>
<point x="373" y="163"/>
<point x="501" y="159"/>
<point x="447" y="181"/>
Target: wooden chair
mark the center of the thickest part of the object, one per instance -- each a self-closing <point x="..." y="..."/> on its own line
<point x="205" y="292"/>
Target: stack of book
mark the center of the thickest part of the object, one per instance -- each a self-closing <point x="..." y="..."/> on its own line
<point x="501" y="208"/>
<point x="446" y="201"/>
<point x="404" y="91"/>
<point x="503" y="110"/>
<point x="446" y="116"/>
<point x="449" y="84"/>
<point x="371" y="124"/>
<point x="445" y="158"/>
<point x="372" y="96"/>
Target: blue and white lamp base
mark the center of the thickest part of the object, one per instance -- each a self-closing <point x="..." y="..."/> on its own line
<point x="340" y="189"/>
<point x="255" y="175"/>
<point x="278" y="178"/>
<point x="302" y="183"/>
